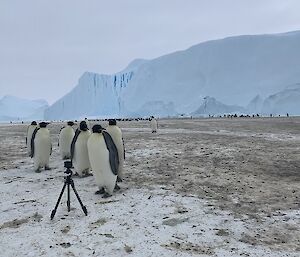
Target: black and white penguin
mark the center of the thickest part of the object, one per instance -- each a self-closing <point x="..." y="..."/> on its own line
<point x="41" y="147"/>
<point x="30" y="130"/>
<point x="116" y="134"/>
<point x="104" y="160"/>
<point x="87" y="123"/>
<point x="153" y="123"/>
<point x="79" y="151"/>
<point x="65" y="139"/>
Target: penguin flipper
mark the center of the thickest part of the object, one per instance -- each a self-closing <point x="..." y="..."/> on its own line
<point x="113" y="153"/>
<point x="123" y="148"/>
<point x="32" y="142"/>
<point x="73" y="142"/>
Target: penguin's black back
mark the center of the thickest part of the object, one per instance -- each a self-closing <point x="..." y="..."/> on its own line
<point x="32" y="142"/>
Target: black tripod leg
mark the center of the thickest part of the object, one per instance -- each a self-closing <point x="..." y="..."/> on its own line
<point x="78" y="198"/>
<point x="57" y="203"/>
<point x="69" y="201"/>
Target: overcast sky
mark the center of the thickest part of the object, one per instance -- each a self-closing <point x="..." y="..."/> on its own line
<point x="46" y="45"/>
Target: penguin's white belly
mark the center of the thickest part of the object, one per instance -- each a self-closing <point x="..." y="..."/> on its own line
<point x="153" y="125"/>
<point x="65" y="140"/>
<point x="42" y="149"/>
<point x="99" y="159"/>
<point x="81" y="160"/>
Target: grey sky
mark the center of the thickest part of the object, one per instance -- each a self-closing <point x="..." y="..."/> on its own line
<point x="45" y="46"/>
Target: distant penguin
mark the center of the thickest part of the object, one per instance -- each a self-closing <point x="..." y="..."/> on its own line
<point x="41" y="147"/>
<point x="30" y="130"/>
<point x="116" y="134"/>
<point x="104" y="160"/>
<point x="87" y="123"/>
<point x="153" y="123"/>
<point x="79" y="151"/>
<point x="65" y="139"/>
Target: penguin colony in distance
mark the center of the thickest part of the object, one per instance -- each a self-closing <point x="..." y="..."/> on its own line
<point x="30" y="130"/>
<point x="79" y="151"/>
<point x="103" y="155"/>
<point x="154" y="125"/>
<point x="116" y="134"/>
<point x="65" y="139"/>
<point x="41" y="147"/>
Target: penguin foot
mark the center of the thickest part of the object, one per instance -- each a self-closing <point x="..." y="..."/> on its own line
<point x="117" y="188"/>
<point x="38" y="171"/>
<point x="47" y="168"/>
<point x="106" y="195"/>
<point x="119" y="179"/>
<point x="100" y="192"/>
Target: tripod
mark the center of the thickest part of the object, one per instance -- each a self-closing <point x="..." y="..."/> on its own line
<point x="68" y="181"/>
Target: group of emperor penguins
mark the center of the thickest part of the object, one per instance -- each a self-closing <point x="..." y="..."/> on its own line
<point x="101" y="151"/>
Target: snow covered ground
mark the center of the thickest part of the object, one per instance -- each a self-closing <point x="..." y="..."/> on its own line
<point x="197" y="188"/>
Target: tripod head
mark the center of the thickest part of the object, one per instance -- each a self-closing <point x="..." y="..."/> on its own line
<point x="68" y="165"/>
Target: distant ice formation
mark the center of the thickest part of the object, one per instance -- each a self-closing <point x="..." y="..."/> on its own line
<point x="13" y="109"/>
<point x="237" y="71"/>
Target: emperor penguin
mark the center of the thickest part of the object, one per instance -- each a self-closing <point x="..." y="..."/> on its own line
<point x="104" y="160"/>
<point x="116" y="134"/>
<point x="154" y="125"/>
<point x="65" y="139"/>
<point x="79" y="151"/>
<point x="87" y="123"/>
<point x="41" y="147"/>
<point x="30" y="130"/>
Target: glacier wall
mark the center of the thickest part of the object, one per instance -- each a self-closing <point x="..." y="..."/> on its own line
<point x="95" y="95"/>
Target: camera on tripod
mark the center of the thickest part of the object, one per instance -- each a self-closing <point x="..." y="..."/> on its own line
<point x="68" y="165"/>
<point x="69" y="183"/>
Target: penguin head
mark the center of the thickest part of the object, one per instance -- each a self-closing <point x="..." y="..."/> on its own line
<point x="112" y="122"/>
<point x="33" y="123"/>
<point x="43" y="124"/>
<point x="97" y="128"/>
<point x="83" y="126"/>
<point x="70" y="123"/>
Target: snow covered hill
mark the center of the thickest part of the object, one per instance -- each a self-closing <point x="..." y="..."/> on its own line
<point x="255" y="106"/>
<point x="283" y="102"/>
<point x="213" y="107"/>
<point x="232" y="70"/>
<point x="13" y="108"/>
